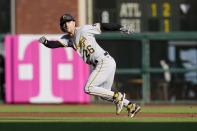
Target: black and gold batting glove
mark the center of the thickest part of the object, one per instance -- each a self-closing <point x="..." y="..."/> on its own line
<point x="43" y="40"/>
<point x="127" y="29"/>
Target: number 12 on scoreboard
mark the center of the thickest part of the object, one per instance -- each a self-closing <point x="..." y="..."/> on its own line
<point x="165" y="15"/>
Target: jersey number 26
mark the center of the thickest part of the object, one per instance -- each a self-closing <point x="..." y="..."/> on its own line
<point x="88" y="51"/>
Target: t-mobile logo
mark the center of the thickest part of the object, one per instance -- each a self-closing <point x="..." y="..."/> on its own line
<point x="65" y="72"/>
<point x="43" y="75"/>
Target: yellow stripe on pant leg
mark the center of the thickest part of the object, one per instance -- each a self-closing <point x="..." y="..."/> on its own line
<point x="94" y="79"/>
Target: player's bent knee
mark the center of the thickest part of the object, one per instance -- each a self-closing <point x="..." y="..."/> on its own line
<point x="87" y="89"/>
<point x="87" y="92"/>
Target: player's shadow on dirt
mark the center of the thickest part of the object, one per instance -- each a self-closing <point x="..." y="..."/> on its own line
<point x="97" y="126"/>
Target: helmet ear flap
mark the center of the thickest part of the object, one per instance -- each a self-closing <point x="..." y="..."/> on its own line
<point x="62" y="27"/>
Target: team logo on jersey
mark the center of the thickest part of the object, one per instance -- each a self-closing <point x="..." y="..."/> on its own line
<point x="81" y="43"/>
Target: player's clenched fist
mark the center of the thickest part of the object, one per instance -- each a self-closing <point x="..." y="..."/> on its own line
<point x="43" y="40"/>
<point x="127" y="29"/>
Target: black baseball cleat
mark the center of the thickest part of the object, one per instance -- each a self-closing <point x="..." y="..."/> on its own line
<point x="133" y="109"/>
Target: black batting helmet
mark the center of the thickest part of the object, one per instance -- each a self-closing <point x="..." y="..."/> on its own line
<point x="65" y="18"/>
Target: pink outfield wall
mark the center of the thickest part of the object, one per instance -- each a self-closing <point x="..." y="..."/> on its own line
<point x="36" y="74"/>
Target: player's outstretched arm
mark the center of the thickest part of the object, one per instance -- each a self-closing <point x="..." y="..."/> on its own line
<point x="50" y="44"/>
<point x="116" y="27"/>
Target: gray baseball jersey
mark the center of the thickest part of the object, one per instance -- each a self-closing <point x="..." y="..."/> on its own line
<point x="101" y="78"/>
<point x="84" y="43"/>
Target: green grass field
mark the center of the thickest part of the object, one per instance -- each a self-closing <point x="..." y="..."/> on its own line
<point x="36" y="122"/>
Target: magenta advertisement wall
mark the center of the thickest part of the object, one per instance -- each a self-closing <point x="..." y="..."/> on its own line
<point x="37" y="74"/>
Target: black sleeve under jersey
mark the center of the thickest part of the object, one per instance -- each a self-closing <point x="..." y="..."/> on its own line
<point x="110" y="27"/>
<point x="53" y="44"/>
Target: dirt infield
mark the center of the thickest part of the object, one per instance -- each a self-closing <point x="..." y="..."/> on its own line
<point x="93" y="115"/>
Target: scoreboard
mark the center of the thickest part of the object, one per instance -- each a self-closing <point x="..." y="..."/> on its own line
<point x="146" y="15"/>
<point x="151" y="15"/>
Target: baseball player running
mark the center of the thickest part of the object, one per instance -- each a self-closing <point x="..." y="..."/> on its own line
<point x="82" y="40"/>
